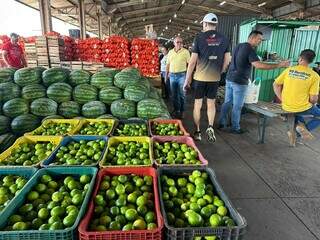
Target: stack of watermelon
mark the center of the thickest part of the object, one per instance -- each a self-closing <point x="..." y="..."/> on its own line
<point x="116" y="52"/>
<point x="144" y="55"/>
<point x="29" y="95"/>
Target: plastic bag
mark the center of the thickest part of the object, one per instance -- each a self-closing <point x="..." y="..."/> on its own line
<point x="253" y="91"/>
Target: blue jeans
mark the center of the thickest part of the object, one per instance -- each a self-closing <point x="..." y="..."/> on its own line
<point x="166" y="84"/>
<point x="314" y="121"/>
<point x="177" y="93"/>
<point x="234" y="96"/>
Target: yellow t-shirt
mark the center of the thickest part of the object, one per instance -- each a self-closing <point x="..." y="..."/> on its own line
<point x="299" y="82"/>
<point x="178" y="60"/>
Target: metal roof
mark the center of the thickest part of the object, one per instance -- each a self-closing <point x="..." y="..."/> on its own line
<point x="129" y="17"/>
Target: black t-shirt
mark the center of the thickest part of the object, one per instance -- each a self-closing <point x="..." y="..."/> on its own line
<point x="240" y="67"/>
<point x="210" y="47"/>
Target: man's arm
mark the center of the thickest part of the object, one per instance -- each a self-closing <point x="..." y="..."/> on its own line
<point x="313" y="99"/>
<point x="226" y="61"/>
<point x="269" y="66"/>
<point x="277" y="88"/>
<point x="192" y="64"/>
<point x="5" y="57"/>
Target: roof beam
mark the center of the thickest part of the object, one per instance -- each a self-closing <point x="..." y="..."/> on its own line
<point x="112" y="7"/>
<point x="204" y="8"/>
<point x="247" y="6"/>
<point x="294" y="7"/>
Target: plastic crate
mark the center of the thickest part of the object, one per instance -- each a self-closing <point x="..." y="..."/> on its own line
<point x="74" y="122"/>
<point x="136" y="121"/>
<point x="167" y="121"/>
<point x="67" y="234"/>
<point x="26" y="172"/>
<point x="83" y="122"/>
<point x="66" y="141"/>
<point x="189" y="233"/>
<point x="114" y="140"/>
<point x="154" y="234"/>
<point x="183" y="139"/>
<point x="30" y="139"/>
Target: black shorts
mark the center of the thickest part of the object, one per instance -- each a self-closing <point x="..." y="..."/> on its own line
<point x="205" y="89"/>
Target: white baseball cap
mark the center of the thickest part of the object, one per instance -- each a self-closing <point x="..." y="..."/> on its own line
<point x="210" y="18"/>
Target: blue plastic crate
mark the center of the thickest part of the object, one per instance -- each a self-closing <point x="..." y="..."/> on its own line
<point x="189" y="233"/>
<point x="26" y="172"/>
<point x="77" y="138"/>
<point x="67" y="234"/>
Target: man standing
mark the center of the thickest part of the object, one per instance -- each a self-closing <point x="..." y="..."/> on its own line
<point x="12" y="53"/>
<point x="163" y="69"/>
<point x="243" y="58"/>
<point x="317" y="68"/>
<point x="178" y="59"/>
<point x="298" y="89"/>
<point x="210" y="53"/>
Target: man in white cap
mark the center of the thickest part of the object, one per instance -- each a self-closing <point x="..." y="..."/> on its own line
<point x="210" y="56"/>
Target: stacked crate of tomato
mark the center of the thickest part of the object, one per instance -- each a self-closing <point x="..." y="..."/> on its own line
<point x="116" y="52"/>
<point x="69" y="48"/>
<point x="89" y="49"/>
<point x="144" y="55"/>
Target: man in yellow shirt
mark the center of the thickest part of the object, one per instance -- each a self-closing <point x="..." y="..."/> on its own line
<point x="298" y="89"/>
<point x="177" y="62"/>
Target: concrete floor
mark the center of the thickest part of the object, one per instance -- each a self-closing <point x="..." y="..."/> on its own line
<point x="275" y="187"/>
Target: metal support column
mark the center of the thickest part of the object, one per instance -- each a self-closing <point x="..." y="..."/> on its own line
<point x="45" y="16"/>
<point x="99" y="24"/>
<point x="82" y="19"/>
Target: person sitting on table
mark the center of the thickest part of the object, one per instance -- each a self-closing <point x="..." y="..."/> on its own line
<point x="298" y="89"/>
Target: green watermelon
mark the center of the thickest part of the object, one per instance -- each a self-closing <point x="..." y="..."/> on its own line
<point x="7" y="74"/>
<point x="132" y="70"/>
<point x="84" y="93"/>
<point x="52" y="117"/>
<point x="94" y="109"/>
<point x="126" y="77"/>
<point x="154" y="93"/>
<point x="102" y="79"/>
<point x="69" y="109"/>
<point x="111" y="71"/>
<point x="24" y="123"/>
<point x="26" y="76"/>
<point x="44" y="107"/>
<point x="33" y="91"/>
<point x="15" y="107"/>
<point x="9" y="90"/>
<point x="123" y="108"/>
<point x="135" y="92"/>
<point x="150" y="108"/>
<point x="6" y="141"/>
<point x="59" y="92"/>
<point x="109" y="94"/>
<point x="40" y="70"/>
<point x="54" y="75"/>
<point x="4" y="124"/>
<point x="145" y="82"/>
<point x="79" y="77"/>
<point x="106" y="116"/>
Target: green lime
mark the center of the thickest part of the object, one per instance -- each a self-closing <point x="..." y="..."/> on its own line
<point x="131" y="214"/>
<point x="139" y="224"/>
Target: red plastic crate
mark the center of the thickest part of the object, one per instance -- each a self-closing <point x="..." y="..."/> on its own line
<point x="179" y="139"/>
<point x="155" y="234"/>
<point x="167" y="121"/>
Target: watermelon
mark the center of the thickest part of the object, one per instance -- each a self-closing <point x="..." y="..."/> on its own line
<point x="15" y="107"/>
<point x="145" y="82"/>
<point x="24" y="123"/>
<point x="9" y="90"/>
<point x="150" y="108"/>
<point x="94" y="109"/>
<point x="109" y="94"/>
<point x="54" y="75"/>
<point x="40" y="70"/>
<point x="59" y="92"/>
<point x="52" y="117"/>
<point x="84" y="93"/>
<point x="26" y="76"/>
<point x="102" y="79"/>
<point x="106" y="116"/>
<point x="69" y="109"/>
<point x="6" y="141"/>
<point x="33" y="91"/>
<point x="125" y="78"/>
<point x="44" y="107"/>
<point x="132" y="70"/>
<point x="7" y="74"/>
<point x="4" y="124"/>
<point x="154" y="93"/>
<point x="79" y="77"/>
<point x="135" y="92"/>
<point x="123" y="108"/>
<point x="111" y="71"/>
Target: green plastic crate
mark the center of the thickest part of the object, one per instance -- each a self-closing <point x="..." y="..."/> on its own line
<point x="69" y="233"/>
<point x="26" y="172"/>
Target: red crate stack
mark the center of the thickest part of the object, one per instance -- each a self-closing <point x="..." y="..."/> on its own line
<point x="144" y="55"/>
<point x="69" y="48"/>
<point x="116" y="52"/>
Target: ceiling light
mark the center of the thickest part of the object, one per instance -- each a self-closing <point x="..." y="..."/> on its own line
<point x="262" y="4"/>
<point x="178" y="34"/>
<point x="161" y="34"/>
<point x="195" y="21"/>
<point x="170" y="20"/>
<point x="188" y="28"/>
<point x="166" y="27"/>
<point x="222" y="3"/>
<point x="143" y="19"/>
<point x="182" y="30"/>
<point x="175" y="15"/>
<point x="183" y="2"/>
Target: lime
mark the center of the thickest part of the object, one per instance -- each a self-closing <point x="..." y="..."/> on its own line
<point x="19" y="226"/>
<point x="131" y="214"/>
<point x="194" y="219"/>
<point x="115" y="225"/>
<point x="43" y="213"/>
<point x="127" y="227"/>
<point x="149" y="217"/>
<point x="69" y="220"/>
<point x="85" y="179"/>
<point x="56" y="226"/>
<point x="151" y="226"/>
<point x="215" y="220"/>
<point x="139" y="224"/>
<point x="141" y="201"/>
<point x="57" y="197"/>
<point x="222" y="211"/>
<point x="14" y="218"/>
